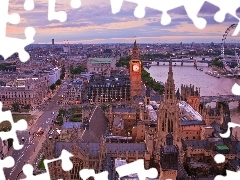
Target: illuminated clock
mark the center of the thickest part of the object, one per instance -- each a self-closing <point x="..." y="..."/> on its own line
<point x="136" y="67"/>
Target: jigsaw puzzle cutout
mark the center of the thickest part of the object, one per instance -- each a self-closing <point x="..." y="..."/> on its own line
<point x="230" y="175"/>
<point x="20" y="125"/>
<point x="7" y="162"/>
<point x="220" y="158"/>
<point x="29" y="5"/>
<point x="66" y="166"/>
<point x="137" y="167"/>
<point x="230" y="125"/>
<point x="6" y="50"/>
<point x="236" y="89"/>
<point x="192" y="9"/>
<point x="226" y="7"/>
<point x="6" y="43"/>
<point x="60" y="15"/>
<point x="87" y="173"/>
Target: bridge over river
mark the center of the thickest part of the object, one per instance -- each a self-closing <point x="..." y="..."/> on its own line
<point x="177" y="60"/>
<point x="222" y="98"/>
<point x="195" y="60"/>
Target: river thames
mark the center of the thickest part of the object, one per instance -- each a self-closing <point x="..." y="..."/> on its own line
<point x="209" y="85"/>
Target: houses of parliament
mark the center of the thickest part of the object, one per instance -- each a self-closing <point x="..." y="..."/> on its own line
<point x="177" y="135"/>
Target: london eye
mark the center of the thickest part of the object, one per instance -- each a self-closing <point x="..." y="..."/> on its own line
<point x="230" y="48"/>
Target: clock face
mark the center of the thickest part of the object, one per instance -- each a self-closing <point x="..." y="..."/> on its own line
<point x="136" y="67"/>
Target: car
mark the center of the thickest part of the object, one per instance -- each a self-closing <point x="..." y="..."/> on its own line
<point x="51" y="132"/>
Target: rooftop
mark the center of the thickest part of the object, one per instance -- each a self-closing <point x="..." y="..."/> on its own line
<point x="69" y="125"/>
<point x="189" y="112"/>
<point x="97" y="126"/>
<point x="100" y="60"/>
<point x="124" y="110"/>
<point x="222" y="147"/>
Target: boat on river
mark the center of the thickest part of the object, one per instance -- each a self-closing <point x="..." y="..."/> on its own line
<point x="147" y="66"/>
<point x="214" y="74"/>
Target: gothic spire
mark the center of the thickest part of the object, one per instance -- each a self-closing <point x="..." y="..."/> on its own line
<point x="135" y="54"/>
<point x="135" y="45"/>
<point x="170" y="72"/>
<point x="170" y="86"/>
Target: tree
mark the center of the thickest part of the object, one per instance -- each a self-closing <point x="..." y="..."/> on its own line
<point x="60" y="120"/>
<point x="217" y="62"/>
<point x="58" y="82"/>
<point x="76" y="70"/>
<point x="53" y="86"/>
<point x="63" y="70"/>
<point x="62" y="112"/>
<point x="149" y="81"/>
<point x="62" y="76"/>
<point x="16" y="107"/>
<point x="104" y="107"/>
<point x="124" y="61"/>
<point x="233" y="65"/>
<point x="27" y="106"/>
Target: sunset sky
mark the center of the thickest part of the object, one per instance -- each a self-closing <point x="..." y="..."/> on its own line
<point x="94" y="22"/>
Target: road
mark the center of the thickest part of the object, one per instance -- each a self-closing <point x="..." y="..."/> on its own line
<point x="30" y="143"/>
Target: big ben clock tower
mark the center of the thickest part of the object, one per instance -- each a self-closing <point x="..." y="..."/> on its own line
<point x="135" y="74"/>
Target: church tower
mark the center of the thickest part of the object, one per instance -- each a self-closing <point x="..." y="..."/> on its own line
<point x="192" y="96"/>
<point x="169" y="113"/>
<point x="135" y="72"/>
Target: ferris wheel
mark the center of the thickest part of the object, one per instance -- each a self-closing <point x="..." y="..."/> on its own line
<point x="230" y="46"/>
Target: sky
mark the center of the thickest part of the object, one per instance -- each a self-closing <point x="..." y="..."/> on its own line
<point x="94" y="23"/>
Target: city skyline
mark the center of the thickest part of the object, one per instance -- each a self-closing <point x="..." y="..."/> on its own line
<point x="94" y="23"/>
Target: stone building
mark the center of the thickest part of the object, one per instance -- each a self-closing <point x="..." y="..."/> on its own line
<point x="101" y="65"/>
<point x="31" y="90"/>
<point x="72" y="93"/>
<point x="181" y="144"/>
<point x="191" y="96"/>
<point x="108" y="88"/>
<point x="135" y="72"/>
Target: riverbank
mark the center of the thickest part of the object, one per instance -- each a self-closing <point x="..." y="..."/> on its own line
<point x="235" y="117"/>
<point x="218" y="69"/>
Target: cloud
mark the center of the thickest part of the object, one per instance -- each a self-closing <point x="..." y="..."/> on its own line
<point x="95" y="21"/>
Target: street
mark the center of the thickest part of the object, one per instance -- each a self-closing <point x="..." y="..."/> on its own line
<point x="30" y="143"/>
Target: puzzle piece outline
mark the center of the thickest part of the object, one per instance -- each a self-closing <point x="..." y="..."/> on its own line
<point x="6" y="43"/>
<point x="7" y="162"/>
<point x="192" y="9"/>
<point x="66" y="166"/>
<point x="218" y="17"/>
<point x="20" y="125"/>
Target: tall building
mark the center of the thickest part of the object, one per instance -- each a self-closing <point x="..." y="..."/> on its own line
<point x="135" y="71"/>
<point x="191" y="96"/>
<point x="180" y="144"/>
<point x="108" y="88"/>
<point x="168" y="139"/>
<point x="52" y="41"/>
<point x="54" y="75"/>
<point x="169" y="113"/>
